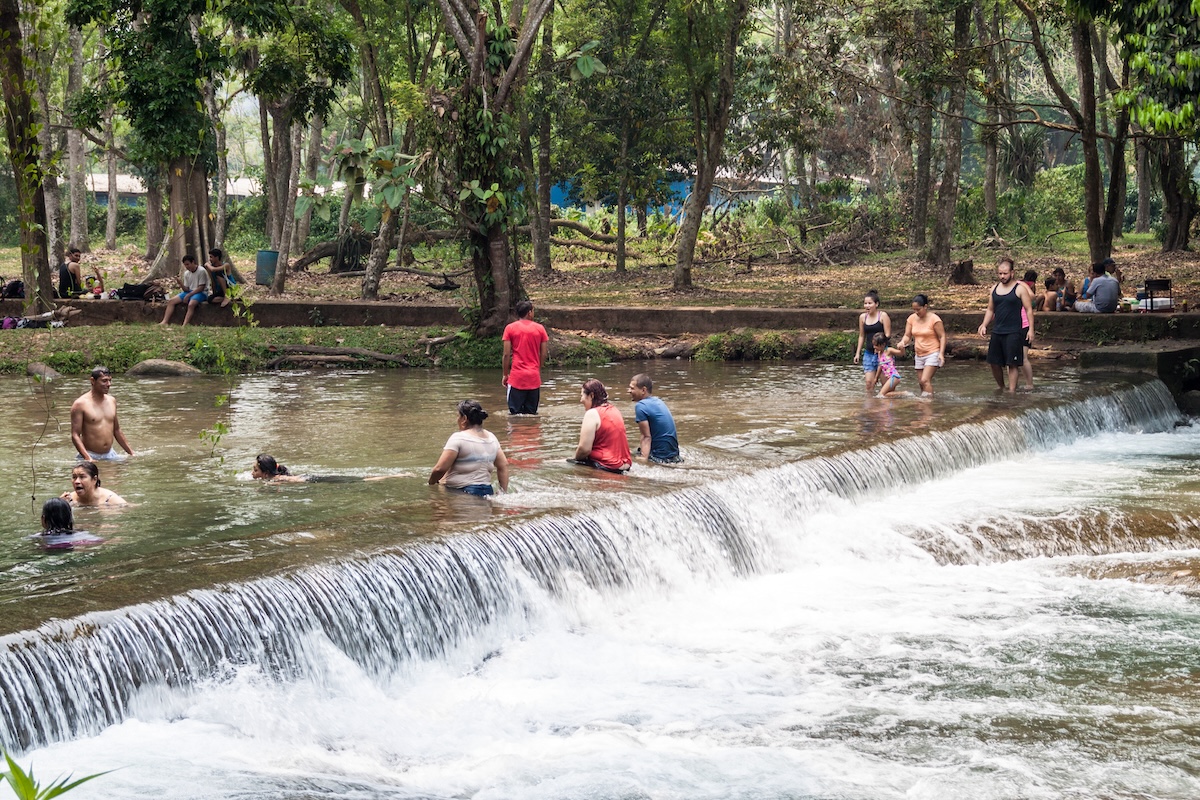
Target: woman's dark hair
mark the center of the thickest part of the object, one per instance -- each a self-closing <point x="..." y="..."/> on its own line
<point x="1059" y="272"/>
<point x="56" y="515"/>
<point x="270" y="466"/>
<point x="595" y="390"/>
<point x="879" y="339"/>
<point x="473" y="411"/>
<point x="873" y="295"/>
<point x="216" y="251"/>
<point x="90" y="468"/>
<point x="1030" y="275"/>
<point x="921" y="299"/>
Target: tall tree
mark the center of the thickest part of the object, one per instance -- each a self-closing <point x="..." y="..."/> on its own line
<point x="77" y="169"/>
<point x="21" y="127"/>
<point x="947" y="200"/>
<point x="493" y="59"/>
<point x="707" y="35"/>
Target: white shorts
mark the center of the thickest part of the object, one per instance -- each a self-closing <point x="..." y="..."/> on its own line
<point x="931" y="360"/>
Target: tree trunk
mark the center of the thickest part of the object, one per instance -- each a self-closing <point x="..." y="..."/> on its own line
<point x="55" y="243"/>
<point x="222" y="181"/>
<point x="381" y="246"/>
<point x="952" y="125"/>
<point x="622" y="201"/>
<point x="1179" y="197"/>
<point x="20" y="127"/>
<point x="76" y="158"/>
<point x="991" y="131"/>
<point x="1114" y="212"/>
<point x="182" y="237"/>
<point x="312" y="163"/>
<point x="710" y="118"/>
<point x="921" y="175"/>
<point x="498" y="281"/>
<point x="1144" y="188"/>
<point x="281" y="173"/>
<point x="154" y="218"/>
<point x="114" y="194"/>
<point x="268" y="181"/>
<point x="1093" y="199"/>
<point x="289" y="207"/>
<point x="541" y="247"/>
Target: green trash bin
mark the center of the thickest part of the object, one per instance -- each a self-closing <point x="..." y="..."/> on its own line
<point x="264" y="267"/>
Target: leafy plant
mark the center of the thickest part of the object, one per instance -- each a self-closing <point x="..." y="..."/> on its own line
<point x="26" y="787"/>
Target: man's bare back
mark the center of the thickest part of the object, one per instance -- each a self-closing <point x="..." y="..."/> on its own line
<point x="94" y="423"/>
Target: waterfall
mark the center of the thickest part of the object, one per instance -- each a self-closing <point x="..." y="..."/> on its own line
<point x="74" y="677"/>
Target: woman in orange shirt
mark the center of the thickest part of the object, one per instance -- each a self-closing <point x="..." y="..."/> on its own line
<point x="924" y="328"/>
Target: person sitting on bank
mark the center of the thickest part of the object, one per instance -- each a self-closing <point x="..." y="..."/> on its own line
<point x="470" y="455"/>
<point x="85" y="478"/>
<point x="70" y="276"/>
<point x="221" y="279"/>
<point x="1048" y="299"/>
<point x="660" y="443"/>
<point x="1102" y="293"/>
<point x="1066" y="289"/>
<point x="194" y="289"/>
<point x="603" y="443"/>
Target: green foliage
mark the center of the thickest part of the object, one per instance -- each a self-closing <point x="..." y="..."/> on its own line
<point x="1054" y="203"/>
<point x="832" y="346"/>
<point x="733" y="346"/>
<point x="131" y="220"/>
<point x="10" y="225"/>
<point x="745" y="345"/>
<point x="26" y="787"/>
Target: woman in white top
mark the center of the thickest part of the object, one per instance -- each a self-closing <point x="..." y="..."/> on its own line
<point x="470" y="455"/>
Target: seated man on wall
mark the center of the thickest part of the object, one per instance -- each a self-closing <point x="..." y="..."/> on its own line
<point x="1102" y="293"/>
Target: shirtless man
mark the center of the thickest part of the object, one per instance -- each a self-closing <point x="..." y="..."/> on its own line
<point x="94" y="423"/>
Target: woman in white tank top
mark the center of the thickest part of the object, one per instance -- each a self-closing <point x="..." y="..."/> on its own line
<point x="470" y="455"/>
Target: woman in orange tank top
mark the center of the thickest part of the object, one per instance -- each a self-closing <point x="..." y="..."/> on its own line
<point x="603" y="442"/>
<point x="924" y="328"/>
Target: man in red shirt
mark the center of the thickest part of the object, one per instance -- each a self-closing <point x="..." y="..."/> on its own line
<point x="525" y="346"/>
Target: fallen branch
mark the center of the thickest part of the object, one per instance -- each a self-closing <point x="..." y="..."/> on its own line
<point x="310" y="359"/>
<point x="1059" y="233"/>
<point x="599" y="248"/>
<point x="431" y="341"/>
<point x="423" y="273"/>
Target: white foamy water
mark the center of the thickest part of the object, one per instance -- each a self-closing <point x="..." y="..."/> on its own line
<point x="853" y="640"/>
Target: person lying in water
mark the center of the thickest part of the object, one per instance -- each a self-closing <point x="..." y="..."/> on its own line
<point x="266" y="468"/>
<point x="85" y="479"/>
<point x="58" y="527"/>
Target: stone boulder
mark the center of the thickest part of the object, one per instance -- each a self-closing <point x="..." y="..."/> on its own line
<point x="161" y="366"/>
<point x="41" y="371"/>
<point x="1189" y="403"/>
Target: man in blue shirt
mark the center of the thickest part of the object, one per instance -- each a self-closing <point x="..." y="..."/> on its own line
<point x="654" y="420"/>
<point x="1102" y="293"/>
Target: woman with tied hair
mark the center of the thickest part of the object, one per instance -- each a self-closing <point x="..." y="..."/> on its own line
<point x="470" y="455"/>
<point x="925" y="330"/>
<point x="85" y="480"/>
<point x="603" y="443"/>
<point x="58" y="528"/>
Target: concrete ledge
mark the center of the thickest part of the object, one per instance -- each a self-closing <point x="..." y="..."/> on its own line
<point x="1178" y="365"/>
<point x="1094" y="328"/>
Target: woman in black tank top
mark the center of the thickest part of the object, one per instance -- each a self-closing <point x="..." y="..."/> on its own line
<point x="866" y="332"/>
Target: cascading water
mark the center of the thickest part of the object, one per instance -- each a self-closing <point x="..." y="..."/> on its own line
<point x="75" y="677"/>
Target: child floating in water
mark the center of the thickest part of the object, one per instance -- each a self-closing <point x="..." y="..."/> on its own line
<point x="58" y="528"/>
<point x="887" y="376"/>
<point x="266" y="468"/>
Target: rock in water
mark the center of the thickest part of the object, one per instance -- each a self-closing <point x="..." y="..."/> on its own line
<point x="162" y="366"/>
<point x="41" y="371"/>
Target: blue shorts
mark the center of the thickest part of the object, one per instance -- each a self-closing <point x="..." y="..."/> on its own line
<point x="199" y="297"/>
<point x="870" y="361"/>
<point x="476" y="489"/>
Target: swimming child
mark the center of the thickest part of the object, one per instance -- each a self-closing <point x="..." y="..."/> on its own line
<point x="58" y="528"/>
<point x="266" y="468"/>
<point x="888" y="376"/>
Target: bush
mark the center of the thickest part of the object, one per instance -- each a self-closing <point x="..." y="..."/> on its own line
<point x="245" y="224"/>
<point x="131" y="220"/>
<point x="10" y="229"/>
<point x="1054" y="203"/>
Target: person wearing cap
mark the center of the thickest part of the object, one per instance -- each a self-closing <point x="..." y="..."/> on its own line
<point x="94" y="423"/>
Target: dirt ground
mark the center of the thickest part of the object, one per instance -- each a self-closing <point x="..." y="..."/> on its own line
<point x="896" y="275"/>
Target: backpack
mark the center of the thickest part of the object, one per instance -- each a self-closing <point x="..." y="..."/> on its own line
<point x="133" y="291"/>
<point x="13" y="289"/>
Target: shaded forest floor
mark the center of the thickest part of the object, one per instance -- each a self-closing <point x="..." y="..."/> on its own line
<point x="767" y="282"/>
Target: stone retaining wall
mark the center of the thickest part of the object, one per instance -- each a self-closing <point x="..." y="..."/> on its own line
<point x="1095" y="328"/>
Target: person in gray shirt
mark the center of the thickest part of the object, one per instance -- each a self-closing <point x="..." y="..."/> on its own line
<point x="1102" y="294"/>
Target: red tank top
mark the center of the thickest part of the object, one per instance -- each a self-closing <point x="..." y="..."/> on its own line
<point x="610" y="447"/>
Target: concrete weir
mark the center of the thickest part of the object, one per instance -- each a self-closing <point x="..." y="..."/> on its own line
<point x="1177" y="364"/>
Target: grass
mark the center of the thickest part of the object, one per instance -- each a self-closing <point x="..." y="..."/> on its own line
<point x="77" y="350"/>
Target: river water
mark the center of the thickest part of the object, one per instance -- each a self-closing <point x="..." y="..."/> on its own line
<point x="833" y="598"/>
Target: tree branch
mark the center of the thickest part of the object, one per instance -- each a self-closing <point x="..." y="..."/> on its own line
<point x="537" y="12"/>
<point x="1039" y="46"/>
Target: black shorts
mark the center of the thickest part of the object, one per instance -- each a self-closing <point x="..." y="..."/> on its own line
<point x="1004" y="350"/>
<point x="523" y="401"/>
<point x="1025" y="337"/>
